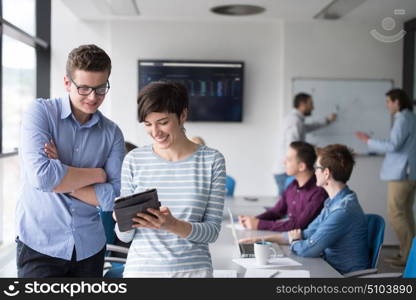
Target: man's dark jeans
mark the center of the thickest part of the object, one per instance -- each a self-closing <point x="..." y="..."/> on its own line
<point x="32" y="264"/>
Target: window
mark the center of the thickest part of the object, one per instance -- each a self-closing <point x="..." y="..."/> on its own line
<point x="414" y="65"/>
<point x="25" y="75"/>
<point x="19" y="78"/>
<point x="25" y="63"/>
<point x="21" y="13"/>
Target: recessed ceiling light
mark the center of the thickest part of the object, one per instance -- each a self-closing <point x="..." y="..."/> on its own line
<point x="237" y="10"/>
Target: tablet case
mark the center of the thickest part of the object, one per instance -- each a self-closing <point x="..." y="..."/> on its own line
<point x="127" y="207"/>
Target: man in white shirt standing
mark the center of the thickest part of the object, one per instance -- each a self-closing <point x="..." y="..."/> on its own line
<point x="294" y="129"/>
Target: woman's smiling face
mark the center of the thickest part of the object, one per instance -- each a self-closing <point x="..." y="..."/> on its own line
<point x="164" y="128"/>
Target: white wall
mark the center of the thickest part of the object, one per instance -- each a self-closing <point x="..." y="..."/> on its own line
<point x="67" y="33"/>
<point x="248" y="146"/>
<point x="274" y="53"/>
<point x="338" y="50"/>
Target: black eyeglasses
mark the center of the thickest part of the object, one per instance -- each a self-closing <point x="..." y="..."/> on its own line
<point x="86" y="90"/>
<point x="316" y="167"/>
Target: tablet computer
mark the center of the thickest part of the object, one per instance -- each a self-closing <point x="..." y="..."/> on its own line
<point x="127" y="207"/>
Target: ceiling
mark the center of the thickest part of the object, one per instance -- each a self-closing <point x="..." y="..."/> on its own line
<point x="371" y="11"/>
<point x="374" y="10"/>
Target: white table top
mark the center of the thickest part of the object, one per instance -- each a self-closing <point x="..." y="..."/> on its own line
<point x="224" y="250"/>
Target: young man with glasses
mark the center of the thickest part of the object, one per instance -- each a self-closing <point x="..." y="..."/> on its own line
<point x="301" y="202"/>
<point x="71" y="158"/>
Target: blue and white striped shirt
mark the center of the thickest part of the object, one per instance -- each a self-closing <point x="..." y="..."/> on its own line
<point x="194" y="190"/>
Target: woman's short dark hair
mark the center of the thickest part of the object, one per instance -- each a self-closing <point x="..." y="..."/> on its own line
<point x="339" y="159"/>
<point x="401" y="96"/>
<point x="300" y="98"/>
<point x="305" y="153"/>
<point x="129" y="146"/>
<point x="162" y="96"/>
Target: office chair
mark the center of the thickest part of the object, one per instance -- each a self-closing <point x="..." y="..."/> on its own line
<point x="288" y="181"/>
<point x="375" y="231"/>
<point x="114" y="266"/>
<point x="230" y="186"/>
<point x="409" y="270"/>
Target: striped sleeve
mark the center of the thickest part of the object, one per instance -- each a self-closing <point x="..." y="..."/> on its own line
<point x="127" y="188"/>
<point x="207" y="231"/>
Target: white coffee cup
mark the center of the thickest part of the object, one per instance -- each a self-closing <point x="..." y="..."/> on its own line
<point x="263" y="251"/>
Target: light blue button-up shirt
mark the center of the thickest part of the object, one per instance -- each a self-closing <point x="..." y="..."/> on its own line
<point x="400" y="148"/>
<point x="338" y="234"/>
<point x="53" y="223"/>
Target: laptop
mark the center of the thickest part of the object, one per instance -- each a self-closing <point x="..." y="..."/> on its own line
<point x="245" y="250"/>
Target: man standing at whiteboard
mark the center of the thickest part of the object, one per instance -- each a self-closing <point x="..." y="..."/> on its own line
<point x="294" y="129"/>
<point x="399" y="170"/>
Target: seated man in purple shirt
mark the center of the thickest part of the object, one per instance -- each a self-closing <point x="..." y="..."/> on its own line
<point x="301" y="202"/>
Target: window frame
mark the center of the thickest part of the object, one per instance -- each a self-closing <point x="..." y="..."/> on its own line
<point x="409" y="59"/>
<point x="41" y="43"/>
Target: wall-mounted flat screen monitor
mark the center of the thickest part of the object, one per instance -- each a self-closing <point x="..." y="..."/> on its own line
<point x="215" y="88"/>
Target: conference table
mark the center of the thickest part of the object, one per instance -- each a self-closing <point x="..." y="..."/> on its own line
<point x="225" y="249"/>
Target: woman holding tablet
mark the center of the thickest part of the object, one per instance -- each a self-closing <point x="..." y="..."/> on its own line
<point x="190" y="181"/>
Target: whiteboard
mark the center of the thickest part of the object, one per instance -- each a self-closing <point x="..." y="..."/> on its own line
<point x="359" y="104"/>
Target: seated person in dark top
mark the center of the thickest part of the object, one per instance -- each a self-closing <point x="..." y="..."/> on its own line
<point x="339" y="233"/>
<point x="301" y="202"/>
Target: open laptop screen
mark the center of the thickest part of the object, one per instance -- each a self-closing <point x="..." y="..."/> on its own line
<point x="246" y="250"/>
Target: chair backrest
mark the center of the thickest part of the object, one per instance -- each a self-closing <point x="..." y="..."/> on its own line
<point x="375" y="231"/>
<point x="288" y="181"/>
<point x="108" y="223"/>
<point x="230" y="185"/>
<point x="116" y="269"/>
<point x="410" y="270"/>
